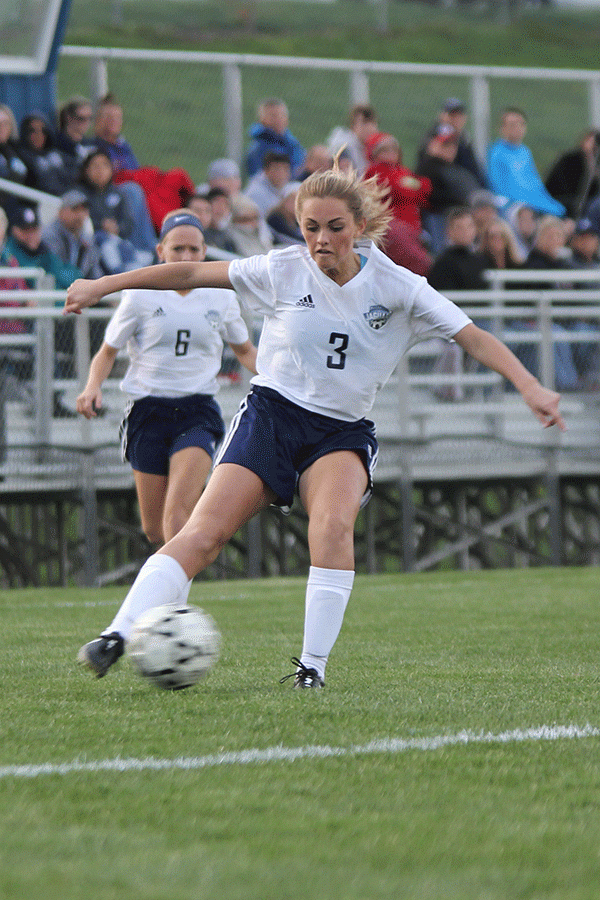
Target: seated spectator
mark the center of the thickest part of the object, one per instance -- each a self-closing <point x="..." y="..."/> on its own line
<point x="271" y="134"/>
<point x="282" y="218"/>
<point x="25" y="244"/>
<point x="573" y="179"/>
<point x="13" y="166"/>
<point x="247" y="230"/>
<point x="459" y="267"/>
<point x="108" y="127"/>
<point x="454" y="113"/>
<point x="68" y="237"/>
<point x="548" y="254"/>
<point x="217" y="234"/>
<point x="498" y="246"/>
<point x="318" y="159"/>
<point x="151" y="193"/>
<point x="584" y="244"/>
<point x="452" y="185"/>
<point x="16" y="364"/>
<point x="267" y="186"/>
<point x="524" y="222"/>
<point x="484" y="210"/>
<point x="362" y="124"/>
<point x="199" y="204"/>
<point x="512" y="172"/>
<point x="592" y="213"/>
<point x="407" y="193"/>
<point x="74" y="121"/>
<point x="224" y="173"/>
<point x="111" y="216"/>
<point x="52" y="172"/>
<point x="107" y="203"/>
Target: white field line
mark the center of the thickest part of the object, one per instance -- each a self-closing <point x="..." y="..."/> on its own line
<point x="290" y="754"/>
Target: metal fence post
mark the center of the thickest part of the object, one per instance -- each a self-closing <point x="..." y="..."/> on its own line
<point x="359" y="87"/>
<point x="480" y="114"/>
<point x="232" y="111"/>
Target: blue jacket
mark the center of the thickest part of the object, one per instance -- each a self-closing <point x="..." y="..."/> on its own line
<point x="513" y="175"/>
<point x="264" y="140"/>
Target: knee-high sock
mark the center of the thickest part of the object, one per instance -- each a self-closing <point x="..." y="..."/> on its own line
<point x="161" y="580"/>
<point x="327" y="595"/>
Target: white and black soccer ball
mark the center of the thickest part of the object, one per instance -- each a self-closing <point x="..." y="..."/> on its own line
<point x="174" y="646"/>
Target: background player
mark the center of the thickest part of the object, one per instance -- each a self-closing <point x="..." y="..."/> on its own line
<point x="175" y="343"/>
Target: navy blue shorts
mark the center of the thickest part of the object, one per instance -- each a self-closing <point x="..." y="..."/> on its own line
<point x="157" y="427"/>
<point x="279" y="440"/>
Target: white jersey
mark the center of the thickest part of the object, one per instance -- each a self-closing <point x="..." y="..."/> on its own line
<point x="330" y="348"/>
<point x="174" y="342"/>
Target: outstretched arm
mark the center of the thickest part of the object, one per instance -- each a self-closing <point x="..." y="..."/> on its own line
<point x="488" y="350"/>
<point x="90" y="398"/>
<point x="177" y="276"/>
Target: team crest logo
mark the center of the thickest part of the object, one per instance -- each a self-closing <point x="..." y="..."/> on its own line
<point x="213" y="318"/>
<point x="377" y="316"/>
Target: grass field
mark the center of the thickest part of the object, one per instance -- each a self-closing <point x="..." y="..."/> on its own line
<point x="453" y="752"/>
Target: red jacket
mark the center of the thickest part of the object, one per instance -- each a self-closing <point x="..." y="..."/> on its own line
<point x="408" y="192"/>
<point x="165" y="191"/>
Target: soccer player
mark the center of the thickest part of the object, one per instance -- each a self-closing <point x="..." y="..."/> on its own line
<point x="338" y="315"/>
<point x="175" y="343"/>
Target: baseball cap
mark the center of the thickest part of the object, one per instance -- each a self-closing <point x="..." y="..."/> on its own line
<point x="445" y="133"/>
<point x="453" y="104"/>
<point x="73" y="198"/>
<point x="26" y="217"/>
<point x="223" y="168"/>
<point x="585" y="226"/>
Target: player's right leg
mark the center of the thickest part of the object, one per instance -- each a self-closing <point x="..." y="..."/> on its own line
<point x="233" y="495"/>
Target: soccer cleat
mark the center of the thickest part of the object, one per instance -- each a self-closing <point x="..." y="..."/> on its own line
<point x="304" y="676"/>
<point x="101" y="654"/>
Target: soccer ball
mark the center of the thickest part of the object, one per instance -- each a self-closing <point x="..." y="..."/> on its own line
<point x="174" y="646"/>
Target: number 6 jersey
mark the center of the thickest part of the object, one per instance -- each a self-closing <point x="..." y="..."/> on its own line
<point x="329" y="348"/>
<point x="174" y="342"/>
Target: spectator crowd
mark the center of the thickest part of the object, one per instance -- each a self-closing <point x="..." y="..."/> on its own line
<point x="454" y="215"/>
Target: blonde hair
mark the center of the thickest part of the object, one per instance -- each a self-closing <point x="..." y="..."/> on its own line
<point x="365" y="198"/>
<point x="14" y="130"/>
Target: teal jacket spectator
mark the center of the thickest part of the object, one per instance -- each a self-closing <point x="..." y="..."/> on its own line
<point x="25" y="244"/>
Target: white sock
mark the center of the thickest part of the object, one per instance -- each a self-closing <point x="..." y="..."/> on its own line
<point x="161" y="580"/>
<point x="327" y="595"/>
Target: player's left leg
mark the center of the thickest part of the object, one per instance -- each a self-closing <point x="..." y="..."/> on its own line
<point x="331" y="490"/>
<point x="189" y="469"/>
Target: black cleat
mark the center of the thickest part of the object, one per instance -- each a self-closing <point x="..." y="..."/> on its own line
<point x="304" y="676"/>
<point x="101" y="654"/>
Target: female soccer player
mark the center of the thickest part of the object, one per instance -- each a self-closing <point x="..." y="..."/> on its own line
<point x="175" y="343"/>
<point x="338" y="316"/>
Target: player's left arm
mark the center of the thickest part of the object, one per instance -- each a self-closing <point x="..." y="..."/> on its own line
<point x="246" y="354"/>
<point x="487" y="349"/>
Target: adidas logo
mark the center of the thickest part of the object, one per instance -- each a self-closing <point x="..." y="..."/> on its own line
<point x="158" y="312"/>
<point x="306" y="302"/>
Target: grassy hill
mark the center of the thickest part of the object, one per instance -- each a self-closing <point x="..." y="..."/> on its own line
<point x="173" y="114"/>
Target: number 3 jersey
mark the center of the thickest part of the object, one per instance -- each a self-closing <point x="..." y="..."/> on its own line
<point x="329" y="348"/>
<point x="174" y="342"/>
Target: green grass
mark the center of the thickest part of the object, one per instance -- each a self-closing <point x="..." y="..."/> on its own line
<point x="173" y="113"/>
<point x="419" y="657"/>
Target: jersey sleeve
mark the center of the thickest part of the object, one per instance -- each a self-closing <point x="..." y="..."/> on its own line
<point x="235" y="330"/>
<point x="251" y="279"/>
<point x="123" y="323"/>
<point x="433" y="315"/>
